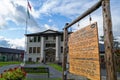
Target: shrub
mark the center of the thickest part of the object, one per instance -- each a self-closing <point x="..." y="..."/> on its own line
<point x="14" y="74"/>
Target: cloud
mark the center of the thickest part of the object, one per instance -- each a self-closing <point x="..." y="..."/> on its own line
<point x="63" y="7"/>
<point x="17" y="43"/>
<point x="3" y="42"/>
<point x="50" y="27"/>
<point x="12" y="43"/>
<point x="50" y="20"/>
<point x="15" y="11"/>
<point x="9" y="10"/>
<point x="73" y="8"/>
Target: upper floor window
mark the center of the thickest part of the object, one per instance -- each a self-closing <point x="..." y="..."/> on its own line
<point x="39" y="38"/>
<point x="50" y="45"/>
<point x="61" y="49"/>
<point x="61" y="37"/>
<point x="38" y="49"/>
<point x="34" y="49"/>
<point x="54" y="37"/>
<point x="30" y="49"/>
<point x="46" y="37"/>
<point x="35" y="39"/>
<point x="31" y="39"/>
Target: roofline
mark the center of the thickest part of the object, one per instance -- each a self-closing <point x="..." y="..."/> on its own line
<point x="46" y="34"/>
<point x="10" y="50"/>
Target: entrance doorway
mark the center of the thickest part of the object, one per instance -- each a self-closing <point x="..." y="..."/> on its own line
<point x="50" y="55"/>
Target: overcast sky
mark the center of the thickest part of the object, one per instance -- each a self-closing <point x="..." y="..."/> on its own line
<point x="48" y="14"/>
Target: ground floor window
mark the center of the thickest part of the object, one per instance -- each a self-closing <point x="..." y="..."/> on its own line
<point x="30" y="59"/>
<point x="37" y="59"/>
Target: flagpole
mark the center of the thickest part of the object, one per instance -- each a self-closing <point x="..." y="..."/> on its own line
<point x="26" y="21"/>
<point x="26" y="25"/>
<point x="26" y="16"/>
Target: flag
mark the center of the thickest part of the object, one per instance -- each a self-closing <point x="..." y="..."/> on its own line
<point x="28" y="13"/>
<point x="29" y="5"/>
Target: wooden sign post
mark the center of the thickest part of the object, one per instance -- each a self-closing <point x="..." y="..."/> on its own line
<point x="65" y="51"/>
<point x="108" y="41"/>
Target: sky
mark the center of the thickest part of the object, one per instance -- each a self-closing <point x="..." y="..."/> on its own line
<point x="49" y="14"/>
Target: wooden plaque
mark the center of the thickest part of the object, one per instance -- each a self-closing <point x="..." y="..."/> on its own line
<point x="84" y="52"/>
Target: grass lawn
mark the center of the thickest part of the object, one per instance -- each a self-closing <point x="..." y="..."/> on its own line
<point x="57" y="67"/>
<point x="9" y="63"/>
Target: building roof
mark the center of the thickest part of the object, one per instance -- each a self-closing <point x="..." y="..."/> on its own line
<point x="10" y="50"/>
<point x="47" y="32"/>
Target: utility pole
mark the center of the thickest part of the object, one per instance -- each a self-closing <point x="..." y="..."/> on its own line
<point x="108" y="41"/>
<point x="65" y="51"/>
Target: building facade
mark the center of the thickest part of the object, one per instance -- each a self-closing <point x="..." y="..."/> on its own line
<point x="46" y="46"/>
<point x="9" y="54"/>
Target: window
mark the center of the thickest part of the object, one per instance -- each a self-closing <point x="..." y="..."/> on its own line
<point x="31" y="39"/>
<point x="30" y="49"/>
<point x="37" y="59"/>
<point x="34" y="49"/>
<point x="54" y="37"/>
<point x="38" y="49"/>
<point x="61" y="37"/>
<point x="35" y="38"/>
<point x="50" y="45"/>
<point x="46" y="37"/>
<point x="61" y="49"/>
<point x="39" y="38"/>
<point x="29" y="59"/>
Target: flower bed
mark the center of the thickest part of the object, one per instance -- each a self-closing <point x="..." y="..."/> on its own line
<point x="13" y="74"/>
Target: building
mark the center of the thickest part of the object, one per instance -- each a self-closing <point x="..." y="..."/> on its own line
<point x="46" y="46"/>
<point x="9" y="54"/>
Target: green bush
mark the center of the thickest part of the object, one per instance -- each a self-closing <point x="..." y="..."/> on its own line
<point x="14" y="74"/>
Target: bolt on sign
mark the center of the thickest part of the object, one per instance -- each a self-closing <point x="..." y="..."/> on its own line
<point x="84" y="52"/>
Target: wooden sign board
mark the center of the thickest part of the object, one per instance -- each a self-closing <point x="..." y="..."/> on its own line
<point x="84" y="52"/>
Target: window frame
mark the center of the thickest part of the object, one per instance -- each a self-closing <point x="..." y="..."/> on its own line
<point x="34" y="49"/>
<point x="30" y="50"/>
